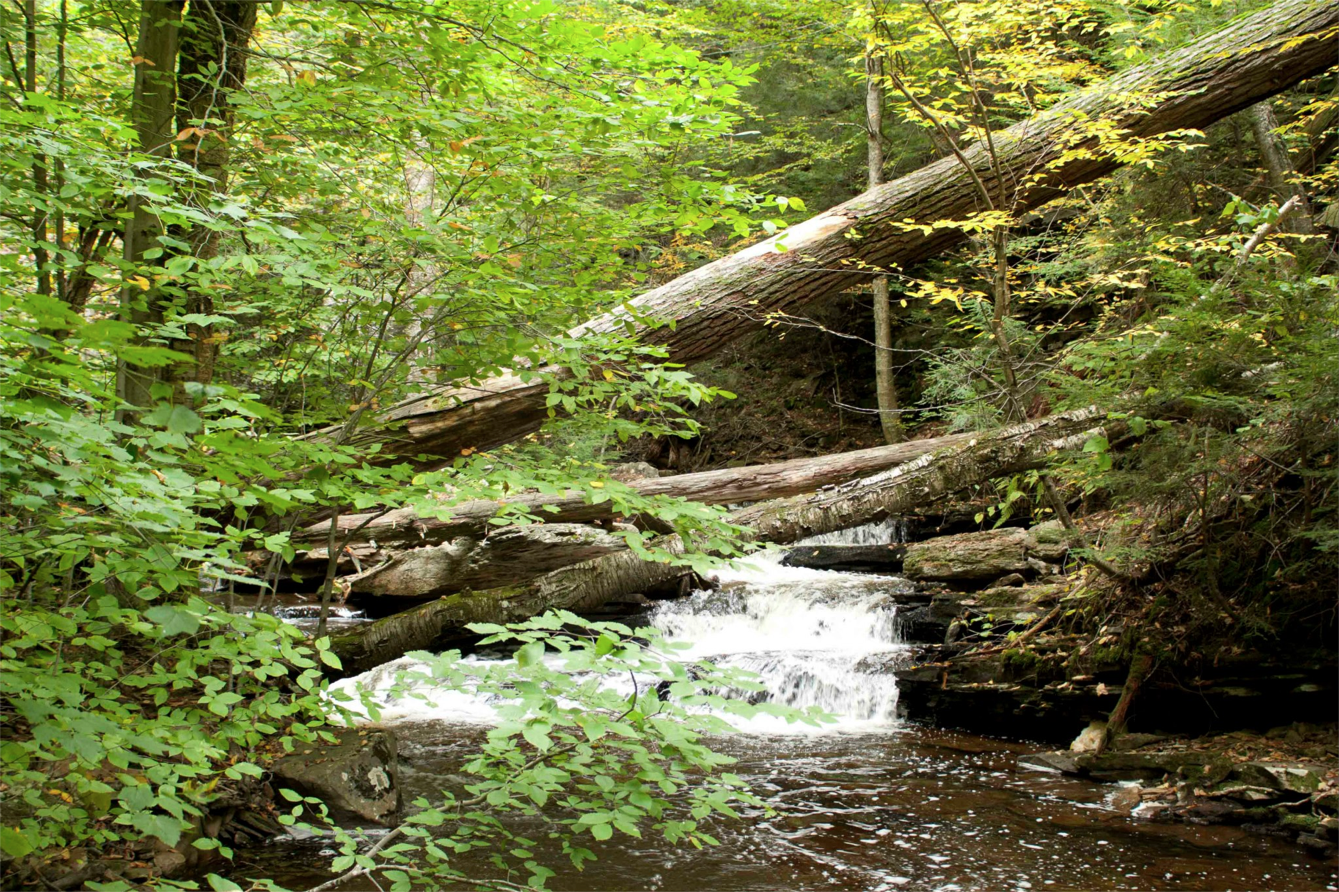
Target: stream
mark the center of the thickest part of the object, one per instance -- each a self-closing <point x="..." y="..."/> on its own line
<point x="867" y="803"/>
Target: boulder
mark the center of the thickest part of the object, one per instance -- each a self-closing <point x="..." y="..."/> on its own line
<point x="637" y="470"/>
<point x="969" y="557"/>
<point x="1286" y="777"/>
<point x="1050" y="542"/>
<point x="506" y="557"/>
<point x="358" y="776"/>
<point x="848" y="558"/>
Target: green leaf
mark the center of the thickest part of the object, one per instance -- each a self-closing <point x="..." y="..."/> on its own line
<point x="14" y="843"/>
<point x="174" y="620"/>
<point x="602" y="831"/>
<point x="183" y="421"/>
<point x="221" y="884"/>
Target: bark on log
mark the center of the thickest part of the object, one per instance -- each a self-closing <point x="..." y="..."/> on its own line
<point x="1245" y="62"/>
<point x="754" y="483"/>
<point x="586" y="586"/>
<point x="507" y="557"/>
<point x="442" y="623"/>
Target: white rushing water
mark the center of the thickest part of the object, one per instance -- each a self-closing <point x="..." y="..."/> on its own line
<point x="815" y="638"/>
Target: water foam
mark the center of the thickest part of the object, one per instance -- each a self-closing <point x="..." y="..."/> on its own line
<point x="892" y="531"/>
<point x="805" y="633"/>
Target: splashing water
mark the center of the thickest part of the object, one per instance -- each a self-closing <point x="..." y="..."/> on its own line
<point x="804" y="633"/>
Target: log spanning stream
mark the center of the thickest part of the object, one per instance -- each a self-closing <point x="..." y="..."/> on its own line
<point x="865" y="804"/>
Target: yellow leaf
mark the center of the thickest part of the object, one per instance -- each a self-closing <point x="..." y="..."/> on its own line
<point x="468" y="450"/>
<point x="608" y="375"/>
<point x="597" y="484"/>
<point x="142" y="282"/>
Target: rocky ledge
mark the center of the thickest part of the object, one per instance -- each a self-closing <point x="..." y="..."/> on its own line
<point x="1284" y="782"/>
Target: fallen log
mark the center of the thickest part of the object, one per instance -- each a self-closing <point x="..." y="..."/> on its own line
<point x="586" y="586"/>
<point x="753" y="483"/>
<point x="442" y="623"/>
<point x="506" y="557"/>
<point x="695" y="315"/>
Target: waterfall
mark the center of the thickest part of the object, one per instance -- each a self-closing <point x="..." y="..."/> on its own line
<point x="892" y="531"/>
<point x="807" y="634"/>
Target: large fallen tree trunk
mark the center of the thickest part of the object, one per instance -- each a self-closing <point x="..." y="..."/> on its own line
<point x="588" y="585"/>
<point x="1250" y="59"/>
<point x="754" y="483"/>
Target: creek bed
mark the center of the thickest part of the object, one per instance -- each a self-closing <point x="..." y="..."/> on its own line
<point x="868" y="804"/>
<point x="913" y="809"/>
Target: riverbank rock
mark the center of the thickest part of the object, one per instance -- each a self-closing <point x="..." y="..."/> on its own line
<point x="969" y="557"/>
<point x="847" y="558"/>
<point x="357" y="777"/>
<point x="1237" y="778"/>
<point x="1050" y="542"/>
<point x="636" y="470"/>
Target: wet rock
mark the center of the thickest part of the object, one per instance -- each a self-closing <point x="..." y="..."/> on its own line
<point x="847" y="558"/>
<point x="1125" y="743"/>
<point x="969" y="557"/>
<point x="1289" y="777"/>
<point x="1013" y="580"/>
<point x="1059" y="761"/>
<point x="358" y="776"/>
<point x="636" y="470"/>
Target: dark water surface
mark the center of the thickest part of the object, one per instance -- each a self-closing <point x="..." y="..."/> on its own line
<point x="911" y="809"/>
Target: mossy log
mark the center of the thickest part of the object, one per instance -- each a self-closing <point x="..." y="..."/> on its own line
<point x="694" y="316"/>
<point x="442" y="623"/>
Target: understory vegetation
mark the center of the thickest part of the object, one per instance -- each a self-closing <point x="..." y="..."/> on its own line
<point x="241" y="242"/>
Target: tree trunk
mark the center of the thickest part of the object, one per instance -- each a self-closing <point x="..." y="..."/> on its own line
<point x="586" y="586"/>
<point x="215" y="41"/>
<point x="920" y="482"/>
<point x="153" y="106"/>
<point x="885" y="386"/>
<point x="1279" y="168"/>
<point x="1246" y="62"/>
<point x="441" y="624"/>
<point x="724" y="487"/>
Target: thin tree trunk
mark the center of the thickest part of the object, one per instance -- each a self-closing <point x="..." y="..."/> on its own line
<point x="1279" y="168"/>
<point x="1247" y="61"/>
<point x="885" y="385"/>
<point x="215" y="41"/>
<point x="1140" y="666"/>
<point x="40" y="214"/>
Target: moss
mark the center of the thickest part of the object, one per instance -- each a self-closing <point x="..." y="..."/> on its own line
<point x="1300" y="823"/>
<point x="1019" y="662"/>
